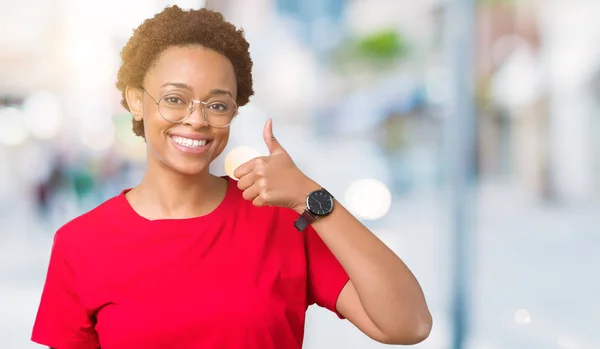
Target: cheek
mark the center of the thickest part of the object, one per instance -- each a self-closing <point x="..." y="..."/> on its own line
<point x="154" y="127"/>
<point x="223" y="138"/>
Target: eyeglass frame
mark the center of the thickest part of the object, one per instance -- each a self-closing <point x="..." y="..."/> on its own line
<point x="193" y="103"/>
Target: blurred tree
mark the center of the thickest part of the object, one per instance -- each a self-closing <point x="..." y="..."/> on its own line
<point x="384" y="45"/>
<point x="379" y="50"/>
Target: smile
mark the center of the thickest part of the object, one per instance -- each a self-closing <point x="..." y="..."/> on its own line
<point x="190" y="143"/>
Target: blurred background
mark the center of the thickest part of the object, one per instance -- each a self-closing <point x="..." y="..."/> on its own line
<point x="464" y="133"/>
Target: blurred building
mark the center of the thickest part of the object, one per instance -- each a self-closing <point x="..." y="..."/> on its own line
<point x="538" y="119"/>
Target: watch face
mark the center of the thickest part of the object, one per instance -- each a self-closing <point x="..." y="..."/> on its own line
<point x="320" y="203"/>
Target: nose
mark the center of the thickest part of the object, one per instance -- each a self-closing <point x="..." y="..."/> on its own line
<point x="196" y="119"/>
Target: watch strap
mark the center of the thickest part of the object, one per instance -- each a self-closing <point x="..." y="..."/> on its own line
<point x="304" y="220"/>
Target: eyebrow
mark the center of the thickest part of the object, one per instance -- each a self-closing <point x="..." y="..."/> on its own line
<point x="219" y="91"/>
<point x="213" y="92"/>
<point x="178" y="85"/>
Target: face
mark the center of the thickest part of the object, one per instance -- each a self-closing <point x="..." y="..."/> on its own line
<point x="183" y="74"/>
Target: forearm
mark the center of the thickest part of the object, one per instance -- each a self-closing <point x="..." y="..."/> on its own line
<point x="388" y="291"/>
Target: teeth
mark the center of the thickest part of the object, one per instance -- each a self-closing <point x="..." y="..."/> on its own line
<point x="191" y="143"/>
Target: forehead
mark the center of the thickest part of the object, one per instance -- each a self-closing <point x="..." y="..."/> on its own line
<point x="200" y="68"/>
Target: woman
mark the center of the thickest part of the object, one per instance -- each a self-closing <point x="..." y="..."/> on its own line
<point x="190" y="260"/>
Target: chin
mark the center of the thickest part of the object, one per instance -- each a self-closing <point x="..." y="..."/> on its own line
<point x="188" y="168"/>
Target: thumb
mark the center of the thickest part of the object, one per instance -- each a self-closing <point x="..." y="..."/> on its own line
<point x="270" y="140"/>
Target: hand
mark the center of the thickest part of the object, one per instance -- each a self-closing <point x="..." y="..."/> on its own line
<point x="274" y="180"/>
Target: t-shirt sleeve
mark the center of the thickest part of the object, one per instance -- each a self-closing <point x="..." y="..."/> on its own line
<point x="62" y="322"/>
<point x="326" y="276"/>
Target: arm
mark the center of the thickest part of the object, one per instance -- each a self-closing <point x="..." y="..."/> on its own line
<point x="383" y="298"/>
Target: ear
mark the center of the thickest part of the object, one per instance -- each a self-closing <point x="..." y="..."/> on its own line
<point x="134" y="101"/>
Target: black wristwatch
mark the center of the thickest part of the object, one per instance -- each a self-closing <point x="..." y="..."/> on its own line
<point x="319" y="203"/>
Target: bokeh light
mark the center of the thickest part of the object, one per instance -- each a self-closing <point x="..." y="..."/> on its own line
<point x="237" y="156"/>
<point x="522" y="317"/>
<point x="43" y="115"/>
<point x="368" y="199"/>
<point x="13" y="131"/>
<point x="100" y="138"/>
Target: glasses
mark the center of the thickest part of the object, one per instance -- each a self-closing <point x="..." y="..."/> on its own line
<point x="219" y="111"/>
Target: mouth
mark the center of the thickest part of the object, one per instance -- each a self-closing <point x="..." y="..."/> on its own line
<point x="190" y="145"/>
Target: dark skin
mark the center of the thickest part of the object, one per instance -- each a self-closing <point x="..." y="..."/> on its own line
<point x="382" y="299"/>
<point x="178" y="185"/>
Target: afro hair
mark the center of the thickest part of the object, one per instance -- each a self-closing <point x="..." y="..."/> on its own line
<point x="176" y="27"/>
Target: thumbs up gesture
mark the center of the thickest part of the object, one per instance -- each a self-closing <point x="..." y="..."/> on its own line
<point x="274" y="180"/>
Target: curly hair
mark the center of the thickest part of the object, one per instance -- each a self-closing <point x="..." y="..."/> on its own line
<point x="176" y="27"/>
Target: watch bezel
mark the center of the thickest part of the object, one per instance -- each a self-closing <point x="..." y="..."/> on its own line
<point x="315" y="214"/>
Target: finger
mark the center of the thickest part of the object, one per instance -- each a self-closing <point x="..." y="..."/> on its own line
<point x="244" y="169"/>
<point x="246" y="181"/>
<point x="259" y="201"/>
<point x="251" y="193"/>
<point x="272" y="144"/>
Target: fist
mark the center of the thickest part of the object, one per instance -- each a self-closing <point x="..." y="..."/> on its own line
<point x="274" y="180"/>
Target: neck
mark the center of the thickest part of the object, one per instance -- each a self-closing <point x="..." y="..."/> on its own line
<point x="164" y="193"/>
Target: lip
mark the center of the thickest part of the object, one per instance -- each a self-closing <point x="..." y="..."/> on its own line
<point x="193" y="136"/>
<point x="188" y="150"/>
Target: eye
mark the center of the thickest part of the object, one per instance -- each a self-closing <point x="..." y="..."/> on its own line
<point x="219" y="107"/>
<point x="173" y="100"/>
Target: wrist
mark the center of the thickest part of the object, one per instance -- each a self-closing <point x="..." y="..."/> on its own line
<point x="306" y="189"/>
<point x="317" y="202"/>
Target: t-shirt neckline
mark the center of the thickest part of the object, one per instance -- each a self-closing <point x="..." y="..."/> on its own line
<point x="220" y="211"/>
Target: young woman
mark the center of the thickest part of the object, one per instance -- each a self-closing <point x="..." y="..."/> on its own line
<point x="189" y="260"/>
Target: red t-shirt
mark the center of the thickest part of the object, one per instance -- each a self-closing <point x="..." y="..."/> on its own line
<point x="239" y="277"/>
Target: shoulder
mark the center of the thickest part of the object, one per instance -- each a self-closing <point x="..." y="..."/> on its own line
<point x="81" y="228"/>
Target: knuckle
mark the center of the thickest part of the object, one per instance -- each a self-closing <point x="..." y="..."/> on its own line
<point x="262" y="183"/>
<point x="265" y="196"/>
<point x="259" y="171"/>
